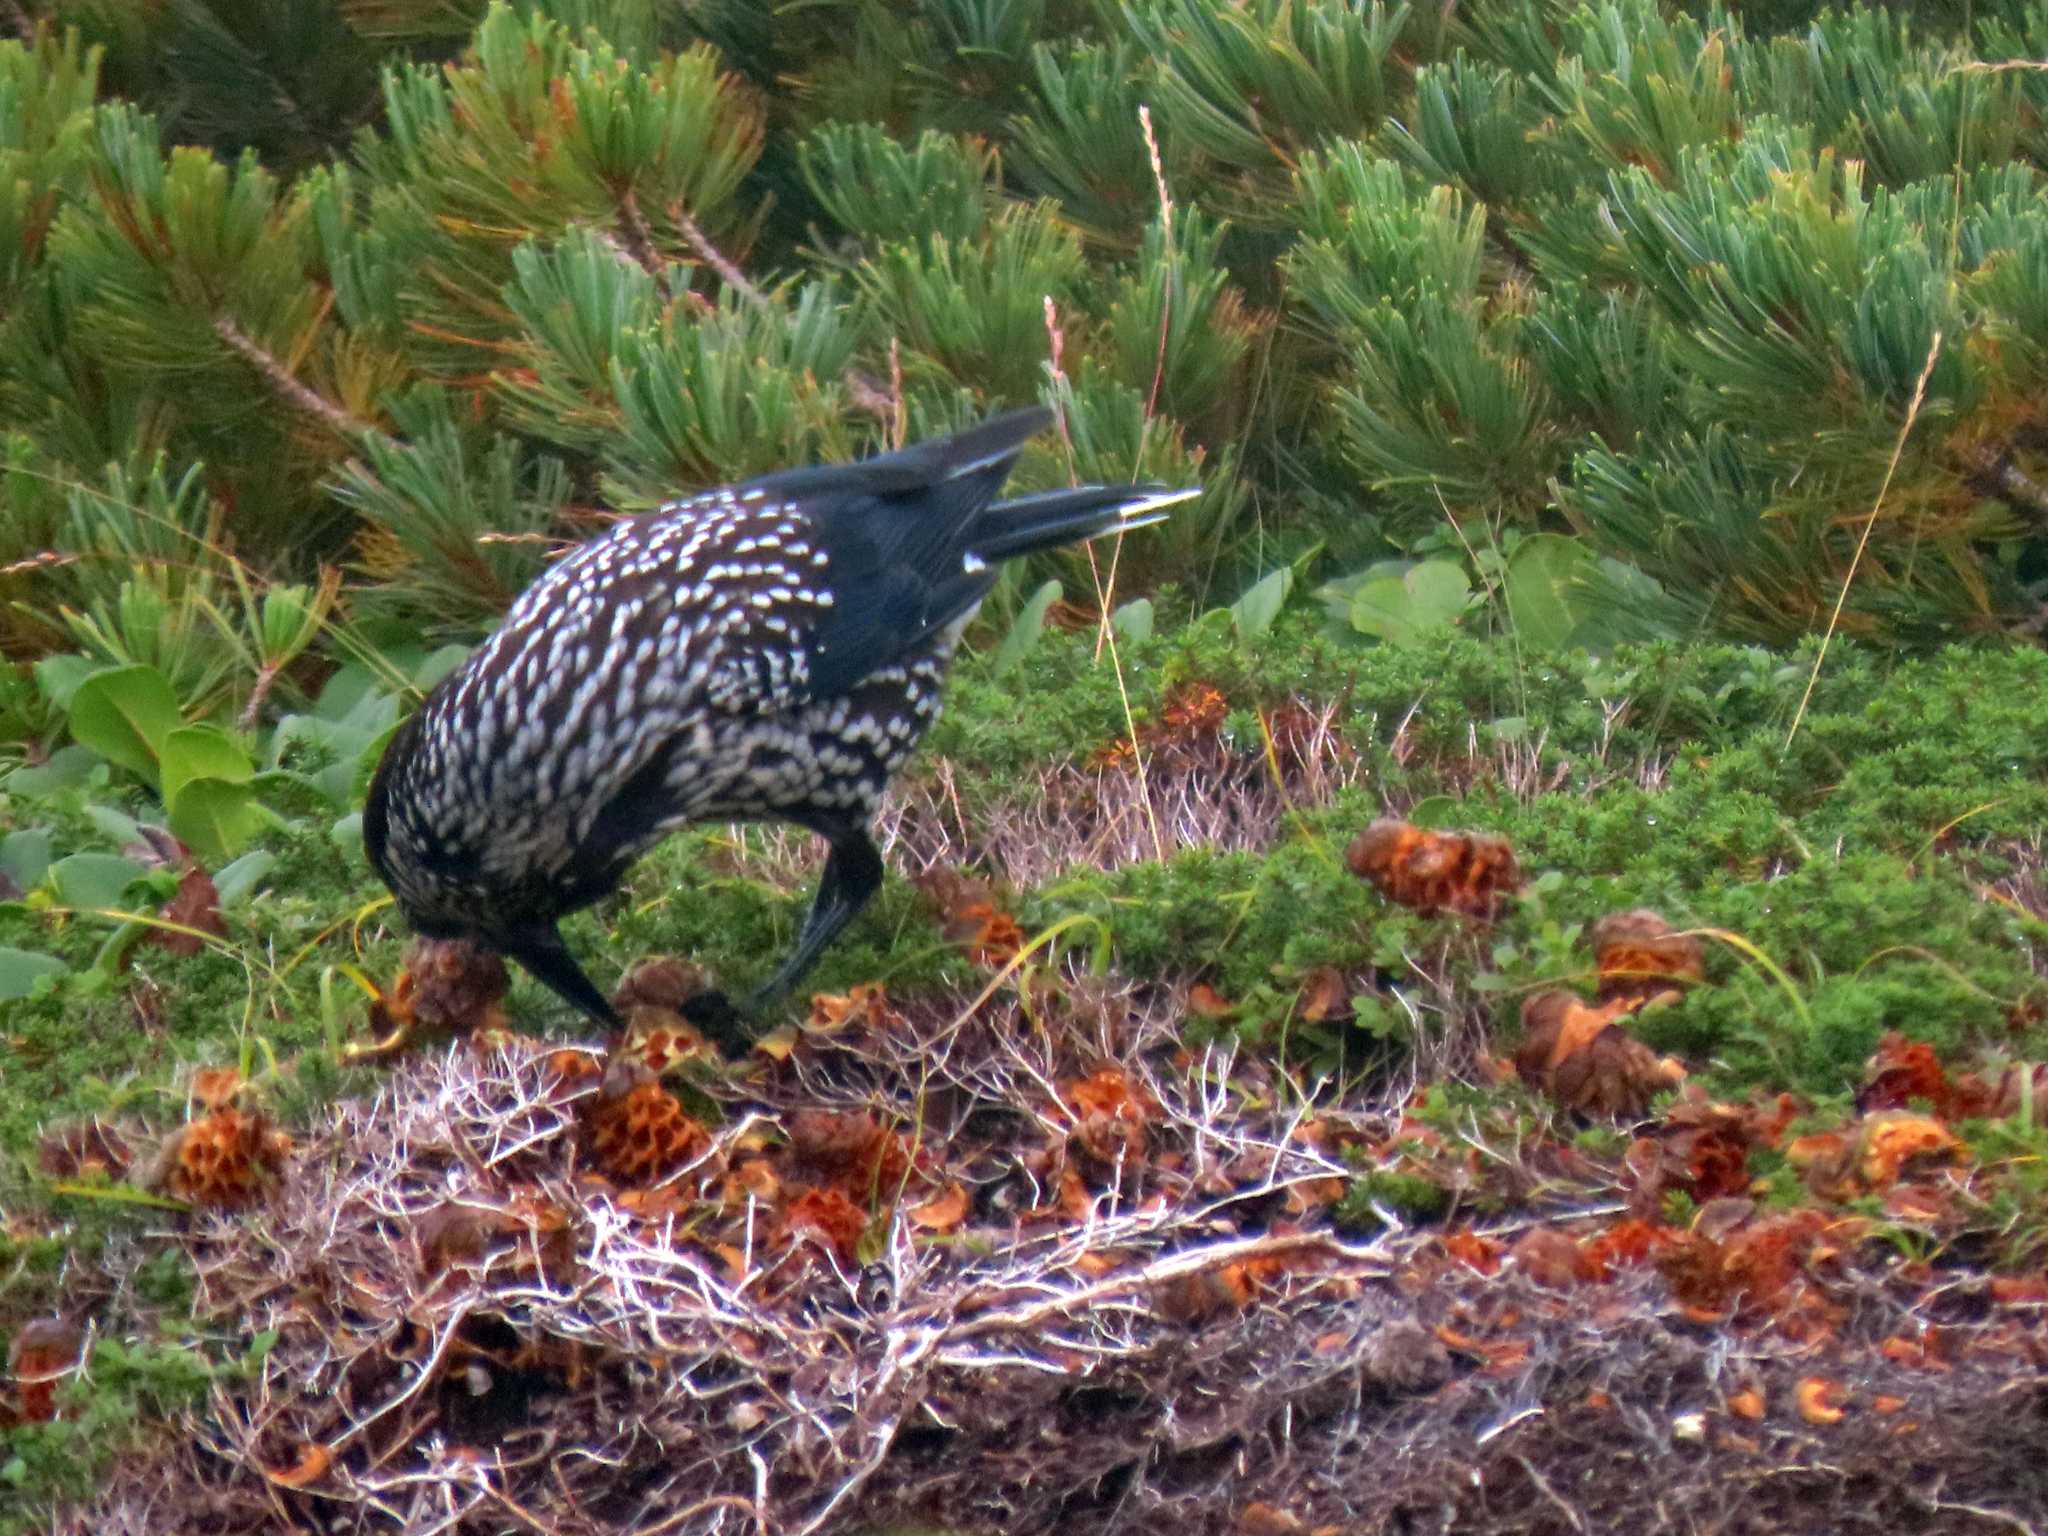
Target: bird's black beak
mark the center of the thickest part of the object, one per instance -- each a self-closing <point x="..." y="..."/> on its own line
<point x="543" y="953"/>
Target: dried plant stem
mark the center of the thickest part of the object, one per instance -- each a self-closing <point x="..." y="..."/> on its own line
<point x="1863" y="540"/>
<point x="1105" y="634"/>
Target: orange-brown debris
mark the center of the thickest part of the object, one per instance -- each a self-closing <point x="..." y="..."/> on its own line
<point x="1110" y="1117"/>
<point x="1901" y="1071"/>
<point x="194" y="906"/>
<point x="1191" y="718"/>
<point x="829" y="1217"/>
<point x="84" y="1147"/>
<point x="651" y="998"/>
<point x="1640" y="956"/>
<point x="44" y="1351"/>
<point x="862" y="1008"/>
<point x="660" y="981"/>
<point x="1700" y="1149"/>
<point x="1469" y="873"/>
<point x="971" y="915"/>
<point x="1578" y="1055"/>
<point x="850" y="1149"/>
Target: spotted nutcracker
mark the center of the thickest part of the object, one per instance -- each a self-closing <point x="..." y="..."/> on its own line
<point x="765" y="651"/>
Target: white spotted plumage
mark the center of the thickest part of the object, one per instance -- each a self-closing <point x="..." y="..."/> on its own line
<point x="774" y="650"/>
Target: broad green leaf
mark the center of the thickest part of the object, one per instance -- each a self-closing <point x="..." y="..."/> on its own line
<point x="124" y="713"/>
<point x="1253" y="614"/>
<point x="215" y="817"/>
<point x="93" y="879"/>
<point x="1441" y="591"/>
<point x="347" y="832"/>
<point x="1424" y="599"/>
<point x="21" y="969"/>
<point x="1544" y="588"/>
<point x="200" y="752"/>
<point x="1134" y="620"/>
<point x="1380" y="607"/>
<point x="25" y="856"/>
<point x="351" y="683"/>
<point x="332" y="752"/>
<point x="1024" y="633"/>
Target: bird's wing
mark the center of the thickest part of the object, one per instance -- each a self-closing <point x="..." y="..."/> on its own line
<point x="895" y="530"/>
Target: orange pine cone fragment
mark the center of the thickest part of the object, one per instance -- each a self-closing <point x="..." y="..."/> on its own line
<point x="1641" y="956"/>
<point x="831" y="1218"/>
<point x="1901" y="1071"/>
<point x="1576" y="1053"/>
<point x="1111" y="1117"/>
<point x="1469" y="873"/>
<point x="225" y="1158"/>
<point x="850" y="1150"/>
<point x="642" y="1134"/>
<point x="444" y="986"/>
<point x="971" y="915"/>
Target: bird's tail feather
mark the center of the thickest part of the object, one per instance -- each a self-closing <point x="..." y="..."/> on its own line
<point x="1052" y="518"/>
<point x="994" y="444"/>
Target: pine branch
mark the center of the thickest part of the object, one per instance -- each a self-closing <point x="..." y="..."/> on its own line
<point x="715" y="259"/>
<point x="1995" y="474"/>
<point x="639" y="243"/>
<point x="288" y="388"/>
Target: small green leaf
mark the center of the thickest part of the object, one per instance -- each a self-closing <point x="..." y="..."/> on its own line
<point x="351" y="686"/>
<point x="59" y="676"/>
<point x="21" y="969"/>
<point x="1253" y="614"/>
<point x="1379" y="607"/>
<point x="25" y="856"/>
<point x="123" y="714"/>
<point x="1435" y="812"/>
<point x="1023" y="635"/>
<point x="215" y="817"/>
<point x="347" y="832"/>
<point x="233" y="884"/>
<point x="93" y="879"/>
<point x="66" y="768"/>
<point x="438" y="665"/>
<point x="1441" y="591"/>
<point x="116" y="825"/>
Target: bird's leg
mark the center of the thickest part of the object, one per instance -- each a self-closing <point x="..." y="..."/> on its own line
<point x="853" y="873"/>
<point x="542" y="952"/>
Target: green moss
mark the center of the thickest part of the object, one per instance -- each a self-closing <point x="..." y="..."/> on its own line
<point x="1851" y="856"/>
<point x="1409" y="1196"/>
